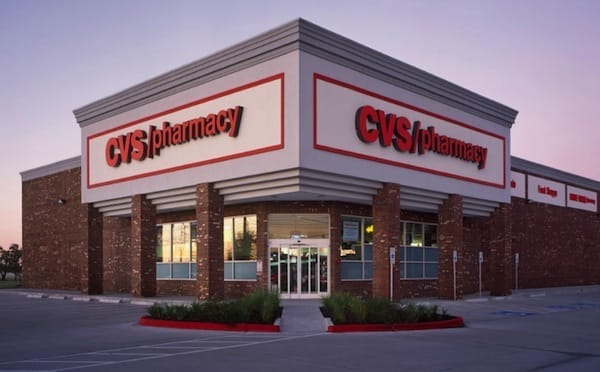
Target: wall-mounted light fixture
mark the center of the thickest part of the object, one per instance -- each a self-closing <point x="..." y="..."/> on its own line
<point x="61" y="201"/>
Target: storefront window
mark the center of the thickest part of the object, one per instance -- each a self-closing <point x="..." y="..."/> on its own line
<point x="419" y="254"/>
<point x="176" y="251"/>
<point x="356" y="250"/>
<point x="239" y="243"/>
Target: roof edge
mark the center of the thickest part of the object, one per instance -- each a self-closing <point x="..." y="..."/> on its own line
<point x="303" y="35"/>
<point x="520" y="164"/>
<point x="349" y="53"/>
<point x="49" y="169"/>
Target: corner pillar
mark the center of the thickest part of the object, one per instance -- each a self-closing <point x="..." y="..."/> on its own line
<point x="209" y="215"/>
<point x="500" y="251"/>
<point x="450" y="235"/>
<point x="387" y="234"/>
<point x="143" y="247"/>
<point x="92" y="264"/>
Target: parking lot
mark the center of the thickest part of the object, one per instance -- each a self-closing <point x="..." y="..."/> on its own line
<point x="550" y="330"/>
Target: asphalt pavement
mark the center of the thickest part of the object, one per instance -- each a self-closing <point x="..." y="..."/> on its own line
<point x="535" y="330"/>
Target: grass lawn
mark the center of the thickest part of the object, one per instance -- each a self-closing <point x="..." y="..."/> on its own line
<point x="9" y="284"/>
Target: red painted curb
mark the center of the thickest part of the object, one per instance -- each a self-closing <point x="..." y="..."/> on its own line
<point x="208" y="326"/>
<point x="455" y="322"/>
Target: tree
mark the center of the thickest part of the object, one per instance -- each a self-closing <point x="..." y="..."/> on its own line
<point x="10" y="261"/>
<point x="3" y="263"/>
<point x="16" y="261"/>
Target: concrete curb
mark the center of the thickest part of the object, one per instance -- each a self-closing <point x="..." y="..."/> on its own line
<point x="75" y="296"/>
<point x="455" y="322"/>
<point x="209" y="326"/>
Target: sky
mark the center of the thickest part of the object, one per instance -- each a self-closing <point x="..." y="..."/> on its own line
<point x="540" y="57"/>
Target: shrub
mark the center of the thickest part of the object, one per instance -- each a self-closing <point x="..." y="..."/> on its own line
<point x="380" y="310"/>
<point x="258" y="307"/>
<point x="270" y="307"/>
<point x="337" y="306"/>
<point x="357" y="310"/>
<point x="196" y="312"/>
<point x="156" y="311"/>
<point x="344" y="308"/>
<point x="408" y="313"/>
<point x="218" y="311"/>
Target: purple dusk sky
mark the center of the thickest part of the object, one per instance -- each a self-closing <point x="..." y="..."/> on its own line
<point x="541" y="57"/>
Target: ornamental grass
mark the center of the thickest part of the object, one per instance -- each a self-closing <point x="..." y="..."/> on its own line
<point x="344" y="308"/>
<point x="261" y="307"/>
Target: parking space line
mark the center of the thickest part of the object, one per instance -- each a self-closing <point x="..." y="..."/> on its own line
<point x="236" y="342"/>
<point x="131" y="354"/>
<point x="175" y="347"/>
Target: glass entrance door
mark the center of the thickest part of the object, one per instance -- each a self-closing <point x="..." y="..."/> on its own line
<point x="299" y="270"/>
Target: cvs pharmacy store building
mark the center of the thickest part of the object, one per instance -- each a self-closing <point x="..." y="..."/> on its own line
<point x="303" y="162"/>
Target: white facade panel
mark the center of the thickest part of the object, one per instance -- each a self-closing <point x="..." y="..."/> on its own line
<point x="545" y="191"/>
<point x="232" y="124"/>
<point x="582" y="199"/>
<point x="265" y="97"/>
<point x="355" y="122"/>
<point x="517" y="185"/>
<point x="333" y="95"/>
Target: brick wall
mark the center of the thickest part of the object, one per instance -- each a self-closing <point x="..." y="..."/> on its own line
<point x="557" y="246"/>
<point x="362" y="288"/>
<point x="450" y="239"/>
<point x="53" y="234"/>
<point x="476" y="238"/>
<point x="410" y="288"/>
<point x="387" y="233"/>
<point x="143" y="247"/>
<point x="117" y="254"/>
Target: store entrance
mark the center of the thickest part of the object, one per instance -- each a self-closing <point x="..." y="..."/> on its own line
<point x="299" y="268"/>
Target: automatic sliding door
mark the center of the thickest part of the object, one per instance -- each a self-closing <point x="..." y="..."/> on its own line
<point x="299" y="269"/>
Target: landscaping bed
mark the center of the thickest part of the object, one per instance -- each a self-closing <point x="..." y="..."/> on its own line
<point x="353" y="314"/>
<point x="256" y="312"/>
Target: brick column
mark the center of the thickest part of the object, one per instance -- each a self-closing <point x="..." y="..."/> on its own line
<point x="262" y="244"/>
<point x="335" y="260"/>
<point x="143" y="247"/>
<point x="209" y="214"/>
<point x="387" y="233"/>
<point x="500" y="251"/>
<point x="92" y="262"/>
<point x="450" y="234"/>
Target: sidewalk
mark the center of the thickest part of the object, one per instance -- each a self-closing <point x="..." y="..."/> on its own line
<point x="113" y="298"/>
<point x="304" y="317"/>
<point x="299" y="316"/>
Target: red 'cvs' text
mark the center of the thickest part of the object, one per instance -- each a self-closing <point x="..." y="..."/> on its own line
<point x="390" y="130"/>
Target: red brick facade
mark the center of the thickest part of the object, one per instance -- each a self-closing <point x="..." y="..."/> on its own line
<point x="143" y="247"/>
<point x="450" y="236"/>
<point x="116" y="246"/>
<point x="209" y="214"/>
<point x="55" y="226"/>
<point x="557" y="246"/>
<point x="68" y="245"/>
<point x="387" y="234"/>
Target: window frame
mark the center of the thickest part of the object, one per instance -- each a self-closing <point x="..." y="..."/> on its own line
<point x="403" y="262"/>
<point x="362" y="260"/>
<point x="193" y="260"/>
<point x="234" y="262"/>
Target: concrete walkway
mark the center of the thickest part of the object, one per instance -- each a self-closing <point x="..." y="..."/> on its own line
<point x="302" y="317"/>
<point x="299" y="316"/>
